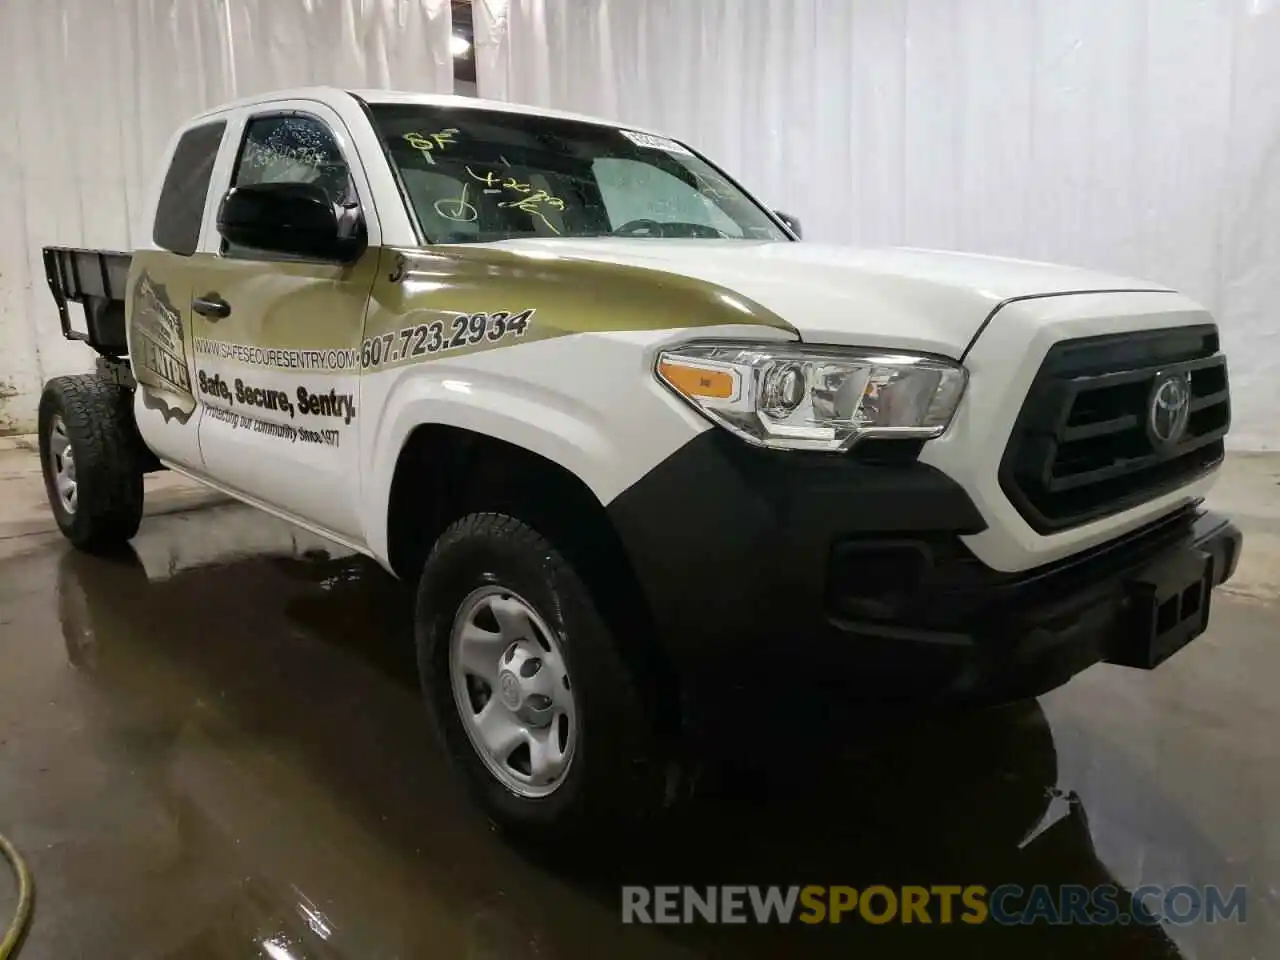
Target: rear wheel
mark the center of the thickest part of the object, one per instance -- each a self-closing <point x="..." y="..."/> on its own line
<point x="529" y="695"/>
<point x="92" y="473"/>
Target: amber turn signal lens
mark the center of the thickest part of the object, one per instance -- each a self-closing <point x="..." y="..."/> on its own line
<point x="698" y="381"/>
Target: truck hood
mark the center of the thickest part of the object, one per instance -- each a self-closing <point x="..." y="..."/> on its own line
<point x="933" y="301"/>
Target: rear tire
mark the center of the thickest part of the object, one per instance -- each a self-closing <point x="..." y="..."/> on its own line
<point x="611" y="763"/>
<point x="89" y="456"/>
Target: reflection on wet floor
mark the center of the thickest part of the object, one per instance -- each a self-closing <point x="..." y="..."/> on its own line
<point x="215" y="748"/>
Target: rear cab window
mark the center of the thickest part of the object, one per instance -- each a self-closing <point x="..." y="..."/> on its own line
<point x="180" y="209"/>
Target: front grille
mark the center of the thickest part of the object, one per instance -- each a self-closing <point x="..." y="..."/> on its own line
<point x="1082" y="448"/>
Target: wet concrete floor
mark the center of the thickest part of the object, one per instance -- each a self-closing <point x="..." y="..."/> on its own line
<point x="216" y="750"/>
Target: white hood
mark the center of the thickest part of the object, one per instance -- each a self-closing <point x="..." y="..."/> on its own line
<point x="925" y="300"/>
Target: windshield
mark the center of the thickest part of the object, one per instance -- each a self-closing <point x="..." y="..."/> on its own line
<point x="483" y="175"/>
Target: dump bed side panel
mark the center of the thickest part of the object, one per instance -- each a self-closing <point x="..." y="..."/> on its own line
<point x="96" y="280"/>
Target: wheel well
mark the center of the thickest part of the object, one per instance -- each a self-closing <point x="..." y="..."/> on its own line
<point x="444" y="473"/>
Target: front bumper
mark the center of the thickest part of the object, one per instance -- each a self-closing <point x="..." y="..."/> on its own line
<point x="851" y="573"/>
<point x="1021" y="635"/>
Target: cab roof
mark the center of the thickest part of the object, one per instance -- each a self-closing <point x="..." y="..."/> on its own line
<point x="332" y="94"/>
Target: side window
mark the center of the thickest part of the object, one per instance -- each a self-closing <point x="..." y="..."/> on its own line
<point x="632" y="190"/>
<point x="186" y="187"/>
<point x="293" y="149"/>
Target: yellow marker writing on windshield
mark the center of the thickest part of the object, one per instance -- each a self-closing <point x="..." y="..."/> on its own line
<point x="457" y="208"/>
<point x="531" y="203"/>
<point x="428" y="143"/>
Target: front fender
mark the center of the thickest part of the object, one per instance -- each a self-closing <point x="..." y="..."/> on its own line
<point x="587" y="403"/>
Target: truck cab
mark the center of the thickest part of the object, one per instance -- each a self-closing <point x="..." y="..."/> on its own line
<point x="630" y="436"/>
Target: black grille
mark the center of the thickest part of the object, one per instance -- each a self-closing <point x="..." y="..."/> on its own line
<point x="1081" y="448"/>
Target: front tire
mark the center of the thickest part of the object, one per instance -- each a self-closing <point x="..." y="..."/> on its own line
<point x="524" y="681"/>
<point x="92" y="473"/>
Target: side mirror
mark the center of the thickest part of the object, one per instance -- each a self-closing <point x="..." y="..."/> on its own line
<point x="291" y="218"/>
<point x="792" y="223"/>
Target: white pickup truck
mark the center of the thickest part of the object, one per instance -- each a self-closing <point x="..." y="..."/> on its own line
<point x="631" y="438"/>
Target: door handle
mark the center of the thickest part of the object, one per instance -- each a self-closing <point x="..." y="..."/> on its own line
<point x="212" y="306"/>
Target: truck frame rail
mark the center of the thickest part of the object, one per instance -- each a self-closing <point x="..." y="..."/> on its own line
<point x="95" y="279"/>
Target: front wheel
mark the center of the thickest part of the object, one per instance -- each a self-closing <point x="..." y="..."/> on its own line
<point x="529" y="695"/>
<point x="88" y="455"/>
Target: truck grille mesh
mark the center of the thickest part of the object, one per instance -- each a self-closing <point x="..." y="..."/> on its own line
<point x="1082" y="447"/>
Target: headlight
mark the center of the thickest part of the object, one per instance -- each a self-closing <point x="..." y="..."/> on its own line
<point x="798" y="397"/>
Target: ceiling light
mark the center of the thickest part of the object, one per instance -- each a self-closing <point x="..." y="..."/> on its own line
<point x="459" y="46"/>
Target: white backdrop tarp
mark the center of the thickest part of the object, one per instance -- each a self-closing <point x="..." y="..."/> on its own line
<point x="93" y="89"/>
<point x="1138" y="136"/>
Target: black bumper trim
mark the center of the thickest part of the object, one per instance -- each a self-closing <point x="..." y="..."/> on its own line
<point x="1002" y="637"/>
<point x="727" y="539"/>
<point x="739" y="554"/>
<point x="1042" y="637"/>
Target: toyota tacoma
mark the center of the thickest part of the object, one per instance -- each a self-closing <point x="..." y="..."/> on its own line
<point x="630" y="437"/>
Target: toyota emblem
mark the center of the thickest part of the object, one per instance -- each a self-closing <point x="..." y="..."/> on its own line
<point x="1169" y="409"/>
<point x="510" y="687"/>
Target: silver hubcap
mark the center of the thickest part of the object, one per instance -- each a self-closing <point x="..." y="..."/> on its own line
<point x="63" y="463"/>
<point x="513" y="692"/>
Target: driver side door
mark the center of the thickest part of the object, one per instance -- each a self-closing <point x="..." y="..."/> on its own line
<point x="277" y="335"/>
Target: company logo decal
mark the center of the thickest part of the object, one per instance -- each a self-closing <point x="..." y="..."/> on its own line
<point x="222" y="396"/>
<point x="159" y="353"/>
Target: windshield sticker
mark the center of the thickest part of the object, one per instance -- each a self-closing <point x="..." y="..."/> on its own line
<point x="653" y="142"/>
<point x="426" y="339"/>
<point x="429" y="143"/>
